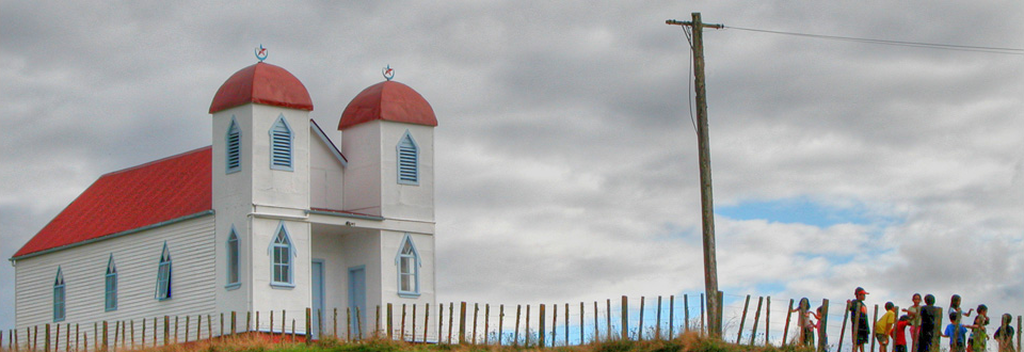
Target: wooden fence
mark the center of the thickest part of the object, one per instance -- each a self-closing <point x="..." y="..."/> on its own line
<point x="538" y="325"/>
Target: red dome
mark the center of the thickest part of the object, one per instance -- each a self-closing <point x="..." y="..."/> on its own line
<point x="262" y="83"/>
<point x="389" y="101"/>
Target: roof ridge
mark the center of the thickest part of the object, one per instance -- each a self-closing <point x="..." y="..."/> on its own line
<point x="140" y="166"/>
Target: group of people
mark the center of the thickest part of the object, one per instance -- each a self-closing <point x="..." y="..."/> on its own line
<point x="920" y="319"/>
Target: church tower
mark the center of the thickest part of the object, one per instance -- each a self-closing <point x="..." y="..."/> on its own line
<point x="260" y="166"/>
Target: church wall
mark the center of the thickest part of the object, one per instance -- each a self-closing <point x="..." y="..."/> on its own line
<point x="325" y="176"/>
<point x="361" y="145"/>
<point x="278" y="188"/>
<point x="137" y="258"/>
<point x="363" y="249"/>
<point x="401" y="201"/>
<point x="268" y="297"/>
<point x="232" y="194"/>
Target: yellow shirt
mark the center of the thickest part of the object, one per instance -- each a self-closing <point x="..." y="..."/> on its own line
<point x="883" y="325"/>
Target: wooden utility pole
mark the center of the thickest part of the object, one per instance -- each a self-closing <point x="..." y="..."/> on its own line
<point x="707" y="203"/>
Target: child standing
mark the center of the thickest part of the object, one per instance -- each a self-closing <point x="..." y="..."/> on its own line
<point x="859" y="317"/>
<point x="979" y="337"/>
<point x="956" y="333"/>
<point x="954" y="306"/>
<point x="803" y="310"/>
<point x="914" y="313"/>
<point x="884" y="325"/>
<point x="899" y="334"/>
<point x="1004" y="334"/>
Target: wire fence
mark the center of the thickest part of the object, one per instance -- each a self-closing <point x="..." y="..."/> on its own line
<point x="758" y="321"/>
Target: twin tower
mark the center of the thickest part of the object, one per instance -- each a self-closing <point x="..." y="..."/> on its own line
<point x="303" y="221"/>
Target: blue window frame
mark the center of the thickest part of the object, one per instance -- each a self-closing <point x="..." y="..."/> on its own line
<point x="233" y="142"/>
<point x="164" y="275"/>
<point x="59" y="297"/>
<point x="281" y="145"/>
<point x="233" y="259"/>
<point x="110" y="286"/>
<point x="408" y="262"/>
<point x="408" y="160"/>
<point x="282" y="251"/>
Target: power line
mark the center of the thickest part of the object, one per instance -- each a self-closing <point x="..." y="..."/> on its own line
<point x="984" y="49"/>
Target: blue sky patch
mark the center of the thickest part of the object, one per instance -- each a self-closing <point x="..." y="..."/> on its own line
<point x="796" y="211"/>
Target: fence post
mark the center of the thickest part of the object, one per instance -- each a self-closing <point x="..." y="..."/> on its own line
<point x="476" y="312"/>
<point x="402" y="334"/>
<point x="390" y="326"/>
<point x="284" y="322"/>
<point x="414" y="323"/>
<point x="767" y="315"/>
<point x="686" y="313"/>
<point x="608" y="318"/>
<point x="823" y="327"/>
<point x="426" y="323"/>
<point x="233" y="324"/>
<point x="842" y="331"/>
<point x="187" y="326"/>
<point x="527" y="342"/>
<point x="462" y="322"/>
<point x="248" y="320"/>
<point x="46" y="345"/>
<point x="105" y="336"/>
<point x="597" y="330"/>
<point x="785" y="330"/>
<point x="309" y="324"/>
<point x="515" y="337"/>
<point x="554" y="323"/>
<point x="671" y="316"/>
<point x="501" y="321"/>
<point x="542" y="326"/>
<point x="743" y="319"/>
<point x="359" y="324"/>
<point x="451" y="317"/>
<point x="255" y="325"/>
<point x="487" y="323"/>
<point x="271" y="325"/>
<point x="56" y="339"/>
<point x="657" y="327"/>
<point x="640" y="327"/>
<point x="757" y="319"/>
<point x="703" y="329"/>
<point x="625" y="317"/>
<point x="874" y="320"/>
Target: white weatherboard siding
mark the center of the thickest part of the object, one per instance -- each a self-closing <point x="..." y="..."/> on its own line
<point x="361" y="145"/>
<point x="137" y="256"/>
<point x="390" y="244"/>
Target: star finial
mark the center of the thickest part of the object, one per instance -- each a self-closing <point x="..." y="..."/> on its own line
<point x="389" y="73"/>
<point x="261" y="53"/>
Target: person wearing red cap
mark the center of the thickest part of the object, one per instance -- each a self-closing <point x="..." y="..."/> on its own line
<point x="859" y="317"/>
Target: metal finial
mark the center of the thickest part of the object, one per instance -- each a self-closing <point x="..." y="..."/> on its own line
<point x="389" y="73"/>
<point x="261" y="53"/>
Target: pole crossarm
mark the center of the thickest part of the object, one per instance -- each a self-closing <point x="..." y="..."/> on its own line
<point x="690" y="24"/>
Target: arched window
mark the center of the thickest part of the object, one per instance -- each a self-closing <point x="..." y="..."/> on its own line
<point x="408" y="262"/>
<point x="110" y="286"/>
<point x="233" y="259"/>
<point x="59" y="295"/>
<point x="163" y="277"/>
<point x="282" y="252"/>
<point x="408" y="160"/>
<point x="281" y="145"/>
<point x="233" y="142"/>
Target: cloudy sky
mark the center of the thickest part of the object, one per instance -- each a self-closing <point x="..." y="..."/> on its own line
<point x="566" y="158"/>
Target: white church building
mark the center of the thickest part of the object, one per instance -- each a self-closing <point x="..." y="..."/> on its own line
<point x="275" y="215"/>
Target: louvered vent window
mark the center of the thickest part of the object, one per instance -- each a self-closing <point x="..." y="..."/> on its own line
<point x="281" y="145"/>
<point x="408" y="161"/>
<point x="234" y="152"/>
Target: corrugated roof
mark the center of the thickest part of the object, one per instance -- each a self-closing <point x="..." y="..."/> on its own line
<point x="132" y="198"/>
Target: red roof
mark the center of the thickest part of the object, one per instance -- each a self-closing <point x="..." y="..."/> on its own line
<point x="262" y="83"/>
<point x="147" y="194"/>
<point x="390" y="101"/>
